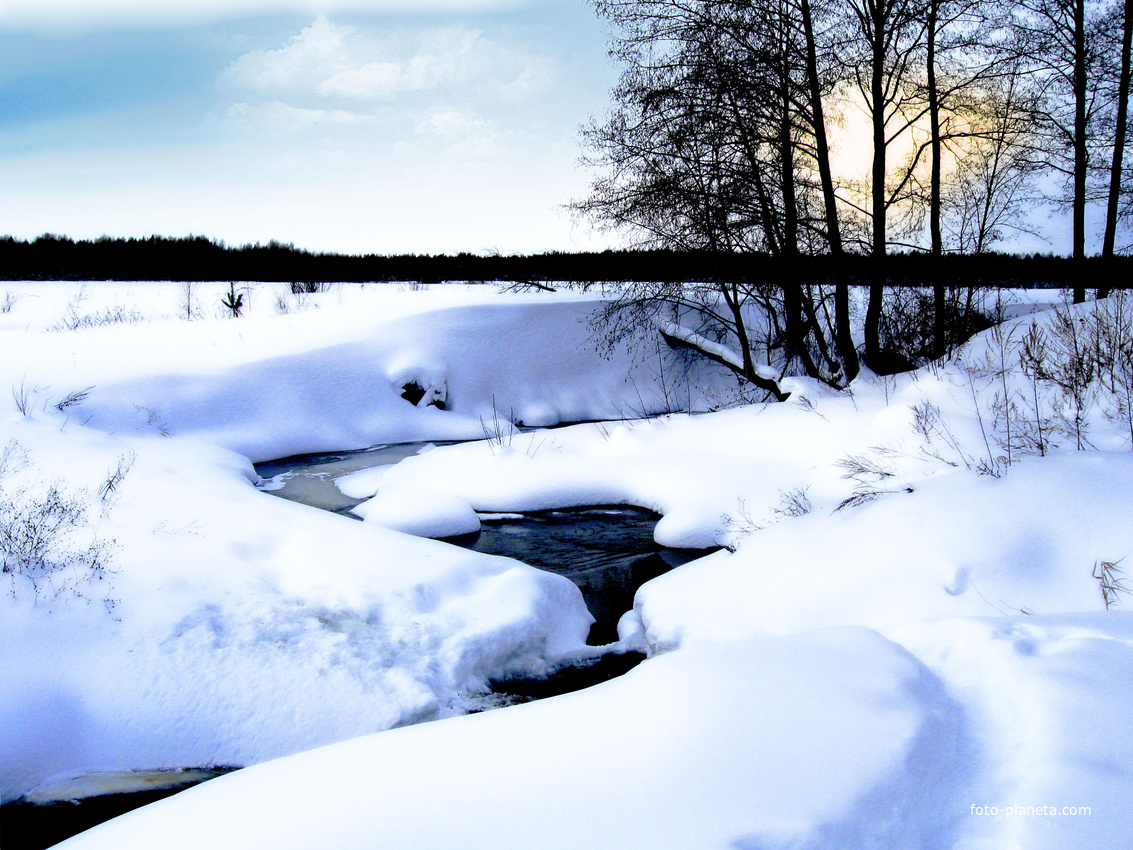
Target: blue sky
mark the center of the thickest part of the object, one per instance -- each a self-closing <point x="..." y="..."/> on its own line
<point x="357" y="125"/>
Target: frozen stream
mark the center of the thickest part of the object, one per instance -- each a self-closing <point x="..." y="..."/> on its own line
<point x="608" y="551"/>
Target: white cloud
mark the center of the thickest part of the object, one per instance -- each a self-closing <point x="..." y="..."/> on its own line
<point x="281" y="116"/>
<point x="297" y="66"/>
<point x="326" y="60"/>
<point x="86" y="15"/>
<point x="372" y="80"/>
<point x="410" y="95"/>
<point x="453" y="123"/>
<point x="463" y="136"/>
<point x="392" y="134"/>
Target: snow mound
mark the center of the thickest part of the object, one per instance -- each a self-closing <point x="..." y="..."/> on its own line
<point x="1029" y="544"/>
<point x="422" y="513"/>
<point x="245" y="627"/>
<point x="361" y="484"/>
<point x="836" y="738"/>
<point x="272" y="387"/>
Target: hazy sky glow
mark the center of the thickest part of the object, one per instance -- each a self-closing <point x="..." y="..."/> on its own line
<point x="351" y="125"/>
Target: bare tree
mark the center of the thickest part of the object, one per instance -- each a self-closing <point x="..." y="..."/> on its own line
<point x="1121" y="111"/>
<point x="716" y="141"/>
<point x="994" y="171"/>
<point x="882" y="39"/>
<point x="1062" y="41"/>
<point x="961" y="58"/>
<point x="816" y="92"/>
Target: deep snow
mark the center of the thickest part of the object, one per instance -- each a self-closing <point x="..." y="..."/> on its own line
<point x="241" y="627"/>
<point x="897" y="651"/>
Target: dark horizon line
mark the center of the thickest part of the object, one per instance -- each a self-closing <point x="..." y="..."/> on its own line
<point x="201" y="258"/>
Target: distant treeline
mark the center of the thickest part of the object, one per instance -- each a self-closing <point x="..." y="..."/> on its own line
<point x="200" y="258"/>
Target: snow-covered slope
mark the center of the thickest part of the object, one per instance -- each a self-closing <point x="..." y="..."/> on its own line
<point x="837" y="737"/>
<point x="268" y="385"/>
<point x="915" y="638"/>
<point x="229" y="627"/>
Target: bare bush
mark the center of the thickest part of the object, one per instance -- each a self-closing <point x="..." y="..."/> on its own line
<point x="188" y="306"/>
<point x="1033" y="354"/>
<point x="47" y="544"/>
<point x="23" y="396"/>
<point x="867" y="474"/>
<point x="989" y="464"/>
<point x="117" y="315"/>
<point x="739" y="525"/>
<point x="864" y="469"/>
<point x="498" y="431"/>
<point x="1113" y="341"/>
<point x="108" y="489"/>
<point x="930" y="426"/>
<point x="908" y="321"/>
<point x="1072" y="368"/>
<point x="73" y="398"/>
<point x="1111" y="579"/>
<point x="794" y="503"/>
<point x="301" y="287"/>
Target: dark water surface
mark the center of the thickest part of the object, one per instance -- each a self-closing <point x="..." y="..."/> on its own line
<point x="25" y="826"/>
<point x="31" y="826"/>
<point x="607" y="550"/>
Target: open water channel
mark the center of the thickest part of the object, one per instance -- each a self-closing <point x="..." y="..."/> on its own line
<point x="607" y="550"/>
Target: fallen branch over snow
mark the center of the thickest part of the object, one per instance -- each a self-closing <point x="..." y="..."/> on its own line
<point x="762" y="376"/>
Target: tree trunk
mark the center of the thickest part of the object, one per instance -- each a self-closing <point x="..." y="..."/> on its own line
<point x="794" y="329"/>
<point x="794" y="342"/>
<point x="787" y="162"/>
<point x="877" y="189"/>
<point x="1118" y="140"/>
<point x="877" y="114"/>
<point x="939" y="325"/>
<point x="934" y="129"/>
<point x="1080" y="150"/>
<point x="843" y="337"/>
<point x="821" y="144"/>
<point x="873" y="317"/>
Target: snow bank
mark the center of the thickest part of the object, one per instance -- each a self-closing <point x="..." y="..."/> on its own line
<point x="242" y="627"/>
<point x="425" y="513"/>
<point x="834" y="738"/>
<point x="960" y="545"/>
<point x="245" y="627"/>
<point x="693" y="470"/>
<point x="917" y="506"/>
<point x="712" y="476"/>
<point x="272" y="386"/>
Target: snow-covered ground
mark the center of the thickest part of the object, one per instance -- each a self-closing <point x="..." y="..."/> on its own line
<point x="226" y="627"/>
<point x="905" y="644"/>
